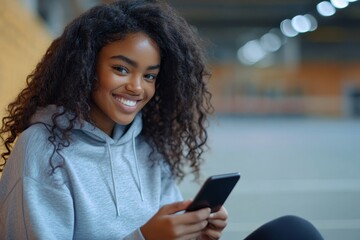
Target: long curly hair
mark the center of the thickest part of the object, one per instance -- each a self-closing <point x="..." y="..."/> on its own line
<point x="175" y="120"/>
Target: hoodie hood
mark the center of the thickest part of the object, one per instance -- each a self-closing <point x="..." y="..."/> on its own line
<point x="123" y="137"/>
<point x="120" y="136"/>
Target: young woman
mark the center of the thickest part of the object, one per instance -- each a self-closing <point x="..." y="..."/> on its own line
<point x="110" y="116"/>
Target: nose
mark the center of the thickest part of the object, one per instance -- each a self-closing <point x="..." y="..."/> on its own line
<point x="134" y="85"/>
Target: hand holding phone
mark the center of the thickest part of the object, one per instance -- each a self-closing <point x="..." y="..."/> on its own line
<point x="214" y="192"/>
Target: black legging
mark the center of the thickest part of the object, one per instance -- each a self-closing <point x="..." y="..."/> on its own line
<point x="286" y="228"/>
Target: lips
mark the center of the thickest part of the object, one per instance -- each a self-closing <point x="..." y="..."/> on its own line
<point x="126" y="102"/>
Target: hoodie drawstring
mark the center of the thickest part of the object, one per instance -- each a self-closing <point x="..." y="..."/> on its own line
<point x="113" y="179"/>
<point x="137" y="168"/>
<point x="139" y="184"/>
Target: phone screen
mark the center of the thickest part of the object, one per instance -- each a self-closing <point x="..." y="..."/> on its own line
<point x="214" y="192"/>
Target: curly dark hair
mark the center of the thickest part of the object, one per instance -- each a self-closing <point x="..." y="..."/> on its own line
<point x="175" y="120"/>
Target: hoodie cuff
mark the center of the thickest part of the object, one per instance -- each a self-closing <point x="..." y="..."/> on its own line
<point x="140" y="236"/>
<point x="136" y="235"/>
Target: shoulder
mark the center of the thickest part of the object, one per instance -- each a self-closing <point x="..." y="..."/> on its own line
<point x="33" y="150"/>
<point x="38" y="129"/>
<point x="34" y="137"/>
<point x="36" y="133"/>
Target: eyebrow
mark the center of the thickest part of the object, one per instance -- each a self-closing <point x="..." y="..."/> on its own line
<point x="132" y="62"/>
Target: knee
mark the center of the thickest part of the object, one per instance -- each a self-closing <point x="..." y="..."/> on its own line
<point x="296" y="226"/>
<point x="292" y="220"/>
<point x="285" y="228"/>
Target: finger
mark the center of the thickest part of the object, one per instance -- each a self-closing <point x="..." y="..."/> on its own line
<point x="196" y="216"/>
<point x="217" y="224"/>
<point x="212" y="233"/>
<point x="192" y="218"/>
<point x="195" y="227"/>
<point x="221" y="214"/>
<point x="190" y="236"/>
<point x="184" y="229"/>
<point x="174" y="207"/>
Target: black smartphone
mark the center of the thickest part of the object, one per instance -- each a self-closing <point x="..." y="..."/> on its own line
<point x="214" y="192"/>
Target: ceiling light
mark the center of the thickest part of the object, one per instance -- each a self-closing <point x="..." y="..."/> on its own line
<point x="270" y="42"/>
<point x="287" y="29"/>
<point x="339" y="3"/>
<point x="325" y="9"/>
<point x="301" y="24"/>
<point x="251" y="52"/>
<point x="313" y="22"/>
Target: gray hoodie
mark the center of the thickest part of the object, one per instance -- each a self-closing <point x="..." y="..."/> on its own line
<point x="105" y="187"/>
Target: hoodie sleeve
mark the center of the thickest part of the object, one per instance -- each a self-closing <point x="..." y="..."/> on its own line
<point x="170" y="192"/>
<point x="33" y="210"/>
<point x="136" y="235"/>
<point x="34" y="204"/>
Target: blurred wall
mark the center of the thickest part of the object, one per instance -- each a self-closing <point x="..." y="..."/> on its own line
<point x="308" y="89"/>
<point x="23" y="40"/>
<point x="325" y="84"/>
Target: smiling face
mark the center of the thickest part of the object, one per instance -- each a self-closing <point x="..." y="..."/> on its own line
<point x="126" y="70"/>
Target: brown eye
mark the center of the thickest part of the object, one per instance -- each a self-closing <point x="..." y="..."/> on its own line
<point x="121" y="69"/>
<point x="150" y="77"/>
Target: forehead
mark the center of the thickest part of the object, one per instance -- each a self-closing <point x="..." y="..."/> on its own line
<point x="137" y="46"/>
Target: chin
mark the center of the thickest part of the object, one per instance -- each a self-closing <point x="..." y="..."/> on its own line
<point x="125" y="121"/>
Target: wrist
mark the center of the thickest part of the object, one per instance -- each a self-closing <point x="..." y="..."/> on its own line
<point x="141" y="235"/>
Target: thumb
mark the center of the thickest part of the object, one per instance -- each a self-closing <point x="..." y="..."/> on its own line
<point x="174" y="207"/>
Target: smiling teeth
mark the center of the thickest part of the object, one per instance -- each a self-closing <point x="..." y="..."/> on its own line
<point x="127" y="102"/>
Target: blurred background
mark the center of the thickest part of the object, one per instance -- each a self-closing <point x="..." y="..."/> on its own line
<point x="286" y="90"/>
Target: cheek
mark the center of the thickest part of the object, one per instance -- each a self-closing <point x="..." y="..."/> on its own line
<point x="104" y="85"/>
<point x="100" y="91"/>
<point x="105" y="78"/>
<point x="151" y="91"/>
<point x="95" y="96"/>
